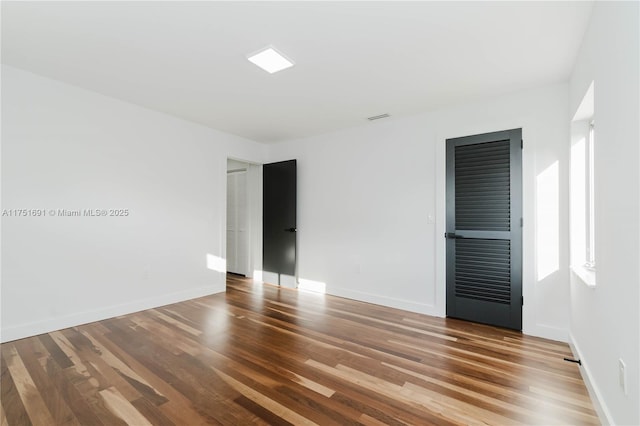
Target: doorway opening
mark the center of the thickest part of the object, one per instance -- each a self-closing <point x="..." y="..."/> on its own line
<point x="261" y="230"/>
<point x="244" y="219"/>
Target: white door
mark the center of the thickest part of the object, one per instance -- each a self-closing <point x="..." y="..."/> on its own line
<point x="237" y="236"/>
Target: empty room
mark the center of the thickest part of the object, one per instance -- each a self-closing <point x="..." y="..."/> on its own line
<point x="320" y="213"/>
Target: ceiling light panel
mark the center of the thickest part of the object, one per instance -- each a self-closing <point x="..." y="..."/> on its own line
<point x="270" y="60"/>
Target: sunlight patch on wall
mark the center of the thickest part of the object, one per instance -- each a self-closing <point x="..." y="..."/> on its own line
<point x="548" y="221"/>
<point x="216" y="263"/>
<point x="312" y="286"/>
<point x="578" y="201"/>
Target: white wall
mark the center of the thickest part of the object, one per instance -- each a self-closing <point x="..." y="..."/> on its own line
<point x="605" y="320"/>
<point x="363" y="196"/>
<point x="67" y="148"/>
<point x="366" y="194"/>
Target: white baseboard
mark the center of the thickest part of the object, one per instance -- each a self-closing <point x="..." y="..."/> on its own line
<point x="546" y="332"/>
<point x="58" y="323"/>
<point x="407" y="305"/>
<point x="594" y="392"/>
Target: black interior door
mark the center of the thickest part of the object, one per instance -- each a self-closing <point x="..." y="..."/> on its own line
<point x="279" y="218"/>
<point x="484" y="228"/>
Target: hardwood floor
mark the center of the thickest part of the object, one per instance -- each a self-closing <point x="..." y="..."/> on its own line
<point x="264" y="355"/>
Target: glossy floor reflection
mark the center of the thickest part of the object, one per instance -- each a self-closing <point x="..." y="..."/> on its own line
<point x="265" y="355"/>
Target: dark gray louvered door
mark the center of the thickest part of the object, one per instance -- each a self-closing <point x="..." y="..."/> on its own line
<point x="484" y="228"/>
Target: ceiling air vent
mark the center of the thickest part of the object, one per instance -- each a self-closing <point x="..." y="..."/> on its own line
<point x="378" y="117"/>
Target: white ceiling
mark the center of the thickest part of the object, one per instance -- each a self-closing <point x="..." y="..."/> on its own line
<point x="353" y="59"/>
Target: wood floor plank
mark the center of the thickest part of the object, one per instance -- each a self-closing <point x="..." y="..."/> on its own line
<point x="206" y="394"/>
<point x="89" y="389"/>
<point x="122" y="408"/>
<point x="95" y="358"/>
<point x="58" y="355"/>
<point x="266" y="355"/>
<point x="177" y="407"/>
<point x="30" y="395"/>
<point x="69" y="393"/>
<point x="153" y="414"/>
<point x="274" y="407"/>
<point x="519" y="401"/>
<point x="3" y="418"/>
<point x="385" y="390"/>
<point x="181" y="325"/>
<point x="12" y="404"/>
<point x="141" y="386"/>
<point x="29" y="351"/>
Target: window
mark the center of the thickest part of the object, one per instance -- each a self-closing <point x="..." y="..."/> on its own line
<point x="582" y="191"/>
<point x="590" y="253"/>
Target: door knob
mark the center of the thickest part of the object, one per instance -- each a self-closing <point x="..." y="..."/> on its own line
<point x="291" y="230"/>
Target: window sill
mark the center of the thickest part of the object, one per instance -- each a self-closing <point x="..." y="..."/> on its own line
<point x="587" y="276"/>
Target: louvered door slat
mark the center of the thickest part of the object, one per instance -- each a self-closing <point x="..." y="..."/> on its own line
<point x="476" y="199"/>
<point x="474" y="267"/>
